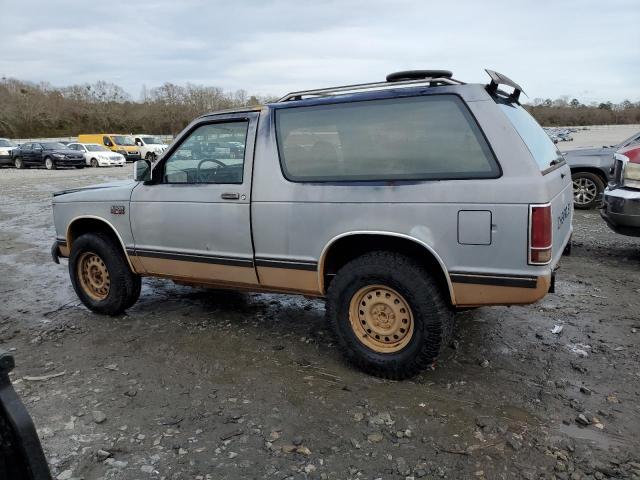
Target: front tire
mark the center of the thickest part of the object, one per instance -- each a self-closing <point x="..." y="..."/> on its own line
<point x="587" y="190"/>
<point x="388" y="315"/>
<point x="94" y="163"/>
<point x="101" y="275"/>
<point x="19" y="163"/>
<point x="49" y="164"/>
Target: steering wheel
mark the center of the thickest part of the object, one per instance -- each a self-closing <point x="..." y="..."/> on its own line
<point x="212" y="160"/>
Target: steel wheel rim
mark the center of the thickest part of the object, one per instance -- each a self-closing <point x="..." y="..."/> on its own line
<point x="94" y="276"/>
<point x="585" y="191"/>
<point x="381" y="319"/>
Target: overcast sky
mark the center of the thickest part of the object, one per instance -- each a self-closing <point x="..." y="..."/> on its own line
<point x="584" y="49"/>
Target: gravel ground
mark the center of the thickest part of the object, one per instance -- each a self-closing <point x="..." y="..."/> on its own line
<point x="196" y="384"/>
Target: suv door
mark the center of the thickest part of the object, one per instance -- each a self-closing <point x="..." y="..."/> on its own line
<point x="192" y="221"/>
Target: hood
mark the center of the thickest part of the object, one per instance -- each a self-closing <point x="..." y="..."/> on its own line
<point x="103" y="192"/>
<point x="590" y="151"/>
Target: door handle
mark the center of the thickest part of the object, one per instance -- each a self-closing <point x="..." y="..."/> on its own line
<point x="230" y="196"/>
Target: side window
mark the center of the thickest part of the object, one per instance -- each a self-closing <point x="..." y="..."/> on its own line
<point x="26" y="146"/>
<point x="73" y="146"/>
<point x="212" y="153"/>
<point x="416" y="138"/>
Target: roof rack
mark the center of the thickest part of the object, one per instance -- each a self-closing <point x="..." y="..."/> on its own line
<point x="433" y="81"/>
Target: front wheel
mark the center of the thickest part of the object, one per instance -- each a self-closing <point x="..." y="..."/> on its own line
<point x="388" y="315"/>
<point x="49" y="164"/>
<point x="94" y="163"/>
<point x="587" y="189"/>
<point x="101" y="275"/>
<point x="18" y="163"/>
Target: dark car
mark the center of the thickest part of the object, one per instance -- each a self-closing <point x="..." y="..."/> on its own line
<point x="591" y="171"/>
<point x="621" y="200"/>
<point x="51" y="155"/>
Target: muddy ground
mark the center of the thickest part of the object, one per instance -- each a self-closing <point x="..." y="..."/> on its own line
<point x="209" y="384"/>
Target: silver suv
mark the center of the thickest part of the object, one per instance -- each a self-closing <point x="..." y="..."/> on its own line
<point x="398" y="201"/>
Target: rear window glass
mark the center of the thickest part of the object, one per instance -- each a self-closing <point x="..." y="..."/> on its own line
<point x="535" y="138"/>
<point x="417" y="138"/>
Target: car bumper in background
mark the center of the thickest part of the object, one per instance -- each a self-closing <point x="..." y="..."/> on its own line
<point x="6" y="159"/>
<point x="132" y="158"/>
<point x="621" y="210"/>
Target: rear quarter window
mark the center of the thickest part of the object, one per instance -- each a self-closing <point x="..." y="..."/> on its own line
<point x="416" y="138"/>
<point x="542" y="148"/>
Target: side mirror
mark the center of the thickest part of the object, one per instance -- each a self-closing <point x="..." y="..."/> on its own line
<point x="142" y="171"/>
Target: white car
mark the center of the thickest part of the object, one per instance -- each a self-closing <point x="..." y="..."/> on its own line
<point x="98" y="156"/>
<point x="6" y="146"/>
<point x="150" y="147"/>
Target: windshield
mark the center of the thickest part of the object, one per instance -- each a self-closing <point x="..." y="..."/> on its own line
<point x="537" y="141"/>
<point x="151" y="141"/>
<point x="54" y="146"/>
<point x="124" y="140"/>
<point x="6" y="143"/>
<point x="94" y="147"/>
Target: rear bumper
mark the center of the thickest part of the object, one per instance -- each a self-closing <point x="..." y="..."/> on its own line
<point x="477" y="289"/>
<point x="621" y="210"/>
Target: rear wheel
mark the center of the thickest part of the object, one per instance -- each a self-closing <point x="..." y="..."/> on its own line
<point x="388" y="315"/>
<point x="101" y="276"/>
<point x="49" y="163"/>
<point x="18" y="163"/>
<point x="587" y="189"/>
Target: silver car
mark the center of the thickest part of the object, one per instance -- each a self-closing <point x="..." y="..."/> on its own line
<point x="397" y="201"/>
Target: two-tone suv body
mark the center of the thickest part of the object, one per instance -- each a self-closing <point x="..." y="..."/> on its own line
<point x="397" y="201"/>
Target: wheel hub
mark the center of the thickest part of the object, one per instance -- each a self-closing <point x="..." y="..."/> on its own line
<point x="94" y="276"/>
<point x="381" y="318"/>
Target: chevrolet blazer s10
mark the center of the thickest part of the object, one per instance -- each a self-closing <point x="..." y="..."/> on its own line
<point x="398" y="201"/>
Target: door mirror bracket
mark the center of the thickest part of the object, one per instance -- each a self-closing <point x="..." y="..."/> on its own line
<point x="142" y="171"/>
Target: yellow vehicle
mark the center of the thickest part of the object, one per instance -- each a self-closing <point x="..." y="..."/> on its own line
<point x="121" y="143"/>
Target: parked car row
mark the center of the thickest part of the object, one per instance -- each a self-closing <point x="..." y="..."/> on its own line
<point x="560" y="134"/>
<point x="95" y="150"/>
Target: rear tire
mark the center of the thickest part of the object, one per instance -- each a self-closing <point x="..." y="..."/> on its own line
<point x="388" y="315"/>
<point x="587" y="190"/>
<point x="101" y="276"/>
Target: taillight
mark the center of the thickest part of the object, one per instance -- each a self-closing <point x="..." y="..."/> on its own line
<point x="540" y="234"/>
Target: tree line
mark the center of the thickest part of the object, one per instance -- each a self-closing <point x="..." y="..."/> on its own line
<point x="41" y="110"/>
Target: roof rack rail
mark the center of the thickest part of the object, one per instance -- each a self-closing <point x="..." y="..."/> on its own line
<point x="444" y="79"/>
